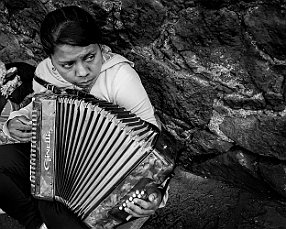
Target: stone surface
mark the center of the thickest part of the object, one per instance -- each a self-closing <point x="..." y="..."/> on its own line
<point x="200" y="203"/>
<point x="214" y="70"/>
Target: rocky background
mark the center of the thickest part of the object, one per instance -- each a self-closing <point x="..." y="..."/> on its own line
<point x="215" y="72"/>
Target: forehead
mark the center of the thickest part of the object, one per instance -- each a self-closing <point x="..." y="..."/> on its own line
<point x="68" y="52"/>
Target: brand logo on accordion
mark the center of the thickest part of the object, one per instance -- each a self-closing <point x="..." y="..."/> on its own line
<point x="48" y="158"/>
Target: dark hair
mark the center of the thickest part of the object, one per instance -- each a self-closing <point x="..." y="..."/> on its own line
<point x="69" y="25"/>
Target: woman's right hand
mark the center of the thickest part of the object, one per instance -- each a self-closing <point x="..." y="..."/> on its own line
<point x="20" y="128"/>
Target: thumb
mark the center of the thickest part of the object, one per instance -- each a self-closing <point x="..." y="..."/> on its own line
<point x="25" y="120"/>
<point x="152" y="196"/>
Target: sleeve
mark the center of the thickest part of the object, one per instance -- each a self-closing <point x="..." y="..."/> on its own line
<point x="25" y="111"/>
<point x="128" y="92"/>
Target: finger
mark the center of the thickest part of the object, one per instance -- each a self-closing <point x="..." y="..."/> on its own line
<point x="20" y="124"/>
<point x="26" y="121"/>
<point x="135" y="214"/>
<point x="142" y="203"/>
<point x="21" y="139"/>
<point x="151" y="204"/>
<point x="21" y="136"/>
<point x="153" y="196"/>
<point x="24" y="128"/>
<point x="24" y="139"/>
<point x="137" y="211"/>
<point x="141" y="207"/>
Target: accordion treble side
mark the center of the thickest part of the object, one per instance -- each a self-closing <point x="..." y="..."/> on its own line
<point x="89" y="154"/>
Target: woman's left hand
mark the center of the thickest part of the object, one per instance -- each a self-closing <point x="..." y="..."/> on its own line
<point x="143" y="208"/>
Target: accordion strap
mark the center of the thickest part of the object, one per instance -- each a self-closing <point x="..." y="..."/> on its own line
<point x="58" y="90"/>
<point x="49" y="86"/>
<point x="172" y="173"/>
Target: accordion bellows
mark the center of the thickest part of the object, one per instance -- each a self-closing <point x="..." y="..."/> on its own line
<point x="88" y="154"/>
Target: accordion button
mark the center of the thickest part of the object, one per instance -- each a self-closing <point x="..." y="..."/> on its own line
<point x="134" y="195"/>
<point x="139" y="196"/>
<point x="142" y="192"/>
<point x="120" y="208"/>
<point x="130" y="198"/>
<point x="124" y="204"/>
<point x="137" y="192"/>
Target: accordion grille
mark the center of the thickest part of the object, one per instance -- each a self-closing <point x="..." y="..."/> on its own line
<point x="96" y="145"/>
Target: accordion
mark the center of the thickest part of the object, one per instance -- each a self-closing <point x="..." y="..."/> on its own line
<point x="92" y="155"/>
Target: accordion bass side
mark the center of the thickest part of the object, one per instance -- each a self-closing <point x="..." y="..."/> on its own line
<point x="90" y="154"/>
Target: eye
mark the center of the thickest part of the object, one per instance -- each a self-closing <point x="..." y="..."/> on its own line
<point x="90" y="57"/>
<point x="67" y="65"/>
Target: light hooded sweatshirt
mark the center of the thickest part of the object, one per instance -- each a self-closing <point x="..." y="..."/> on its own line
<point x="117" y="83"/>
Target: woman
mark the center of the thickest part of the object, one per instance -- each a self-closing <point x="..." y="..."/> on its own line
<point x="78" y="60"/>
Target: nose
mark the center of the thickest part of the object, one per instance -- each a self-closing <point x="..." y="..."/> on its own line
<point x="81" y="70"/>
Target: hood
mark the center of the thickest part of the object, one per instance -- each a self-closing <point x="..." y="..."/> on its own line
<point x="114" y="60"/>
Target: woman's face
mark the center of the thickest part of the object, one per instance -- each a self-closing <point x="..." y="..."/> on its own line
<point x="78" y="65"/>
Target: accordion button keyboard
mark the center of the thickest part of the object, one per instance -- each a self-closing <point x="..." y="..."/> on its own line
<point x="140" y="190"/>
<point x="137" y="194"/>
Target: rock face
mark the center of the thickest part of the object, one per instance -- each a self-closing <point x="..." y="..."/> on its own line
<point x="214" y="69"/>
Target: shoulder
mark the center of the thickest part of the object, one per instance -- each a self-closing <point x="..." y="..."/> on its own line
<point x="43" y="69"/>
<point x="120" y="74"/>
<point x="115" y="62"/>
<point x="117" y="67"/>
<point x="46" y="71"/>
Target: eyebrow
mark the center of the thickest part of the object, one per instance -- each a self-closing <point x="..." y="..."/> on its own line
<point x="93" y="52"/>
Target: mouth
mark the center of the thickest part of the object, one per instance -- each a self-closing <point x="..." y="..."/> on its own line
<point x="85" y="83"/>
